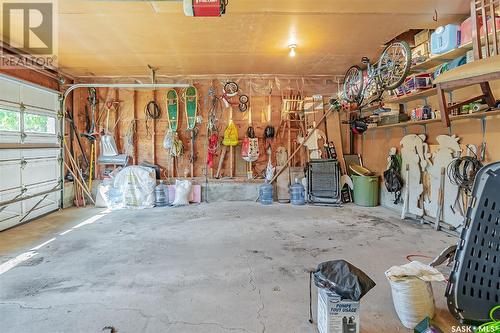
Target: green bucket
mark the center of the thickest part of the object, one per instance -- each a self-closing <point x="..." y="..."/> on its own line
<point x="366" y="190"/>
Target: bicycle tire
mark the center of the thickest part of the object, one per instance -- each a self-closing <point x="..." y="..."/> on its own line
<point x="244" y="99"/>
<point x="353" y="96"/>
<point x="243" y="107"/>
<point x="406" y="71"/>
<point x="231" y="89"/>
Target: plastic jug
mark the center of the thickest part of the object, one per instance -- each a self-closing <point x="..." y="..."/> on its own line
<point x="297" y="193"/>
<point x="266" y="194"/>
<point x="161" y="195"/>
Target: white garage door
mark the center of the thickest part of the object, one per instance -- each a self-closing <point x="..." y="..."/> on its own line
<point x="30" y="152"/>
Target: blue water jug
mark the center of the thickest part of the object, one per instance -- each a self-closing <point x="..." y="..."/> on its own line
<point x="266" y="194"/>
<point x="161" y="195"/>
<point x="297" y="193"/>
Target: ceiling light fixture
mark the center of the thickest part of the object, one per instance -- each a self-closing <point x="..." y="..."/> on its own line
<point x="292" y="48"/>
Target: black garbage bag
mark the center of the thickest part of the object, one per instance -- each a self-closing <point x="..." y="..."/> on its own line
<point x="344" y="279"/>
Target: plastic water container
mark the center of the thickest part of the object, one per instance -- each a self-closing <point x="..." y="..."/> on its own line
<point x="266" y="194"/>
<point x="161" y="195"/>
<point x="445" y="39"/>
<point x="297" y="194"/>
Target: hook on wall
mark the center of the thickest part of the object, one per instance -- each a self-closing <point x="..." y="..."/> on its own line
<point x="435" y="17"/>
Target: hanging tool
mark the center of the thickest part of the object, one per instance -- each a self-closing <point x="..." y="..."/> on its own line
<point x="153" y="111"/>
<point x="439" y="213"/>
<point x="406" y="203"/>
<point x="212" y="130"/>
<point x="69" y="118"/>
<point x="483" y="144"/>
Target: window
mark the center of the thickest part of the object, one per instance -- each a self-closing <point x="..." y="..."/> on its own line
<point x="9" y="121"/>
<point x="37" y="123"/>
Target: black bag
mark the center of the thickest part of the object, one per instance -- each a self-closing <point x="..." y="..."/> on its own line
<point x="343" y="278"/>
<point x="393" y="180"/>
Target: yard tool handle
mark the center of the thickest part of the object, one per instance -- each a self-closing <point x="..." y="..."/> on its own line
<point x="302" y="144"/>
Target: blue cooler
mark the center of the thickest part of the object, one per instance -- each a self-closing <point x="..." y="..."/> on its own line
<point x="445" y="39"/>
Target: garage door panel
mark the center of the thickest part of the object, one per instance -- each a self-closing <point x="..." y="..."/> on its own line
<point x="10" y="214"/>
<point x="10" y="173"/>
<point x="38" y="98"/>
<point x="40" y="153"/>
<point x="10" y="154"/>
<point x="34" y="167"/>
<point x="38" y="171"/>
<point x="10" y="91"/>
<point x="41" y="204"/>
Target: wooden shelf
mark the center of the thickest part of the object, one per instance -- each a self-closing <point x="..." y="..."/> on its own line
<point x="412" y="97"/>
<point x="452" y="118"/>
<point x="437" y="60"/>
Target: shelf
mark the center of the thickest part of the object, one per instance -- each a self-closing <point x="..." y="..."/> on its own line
<point x="452" y="118"/>
<point x="412" y="97"/>
<point x="439" y="59"/>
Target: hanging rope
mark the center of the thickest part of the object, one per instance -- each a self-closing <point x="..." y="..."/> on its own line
<point x="462" y="172"/>
<point x="152" y="111"/>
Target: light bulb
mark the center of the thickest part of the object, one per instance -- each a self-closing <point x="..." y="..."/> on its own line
<point x="292" y="50"/>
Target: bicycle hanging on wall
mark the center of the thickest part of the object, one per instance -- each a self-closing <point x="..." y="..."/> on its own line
<point x="388" y="73"/>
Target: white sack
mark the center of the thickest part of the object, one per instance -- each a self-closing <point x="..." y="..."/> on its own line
<point x="137" y="185"/>
<point x="412" y="291"/>
<point x="182" y="192"/>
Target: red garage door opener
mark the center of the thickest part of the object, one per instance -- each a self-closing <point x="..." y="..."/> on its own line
<point x="205" y="8"/>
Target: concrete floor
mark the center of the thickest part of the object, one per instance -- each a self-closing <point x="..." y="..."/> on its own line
<point x="220" y="267"/>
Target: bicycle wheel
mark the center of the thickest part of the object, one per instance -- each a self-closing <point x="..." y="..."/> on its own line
<point x="353" y="84"/>
<point x="394" y="65"/>
<point x="231" y="89"/>
<point x="243" y="99"/>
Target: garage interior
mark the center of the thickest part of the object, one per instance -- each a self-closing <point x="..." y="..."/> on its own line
<point x="250" y="166"/>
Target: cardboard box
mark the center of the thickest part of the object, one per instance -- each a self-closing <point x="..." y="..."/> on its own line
<point x="336" y="315"/>
<point x="421" y="53"/>
<point x="423" y="36"/>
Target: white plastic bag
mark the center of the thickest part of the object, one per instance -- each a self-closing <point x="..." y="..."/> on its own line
<point x="412" y="291"/>
<point x="182" y="192"/>
<point x="137" y="185"/>
<point x="101" y="198"/>
<point x="168" y="140"/>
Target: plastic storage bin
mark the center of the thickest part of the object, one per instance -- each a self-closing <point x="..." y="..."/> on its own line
<point x="445" y="39"/>
<point x="366" y="190"/>
<point x="466" y="28"/>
